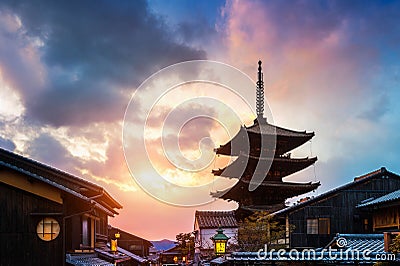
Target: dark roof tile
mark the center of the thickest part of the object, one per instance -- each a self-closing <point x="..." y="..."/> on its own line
<point x="393" y="196"/>
<point x="215" y="219"/>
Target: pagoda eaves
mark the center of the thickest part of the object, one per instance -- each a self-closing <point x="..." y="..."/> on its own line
<point x="274" y="169"/>
<point x="266" y="194"/>
<point x="248" y="140"/>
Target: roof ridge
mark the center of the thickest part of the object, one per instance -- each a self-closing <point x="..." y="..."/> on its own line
<point x="35" y="162"/>
<point x="363" y="178"/>
<point x="381" y="170"/>
<point x="45" y="169"/>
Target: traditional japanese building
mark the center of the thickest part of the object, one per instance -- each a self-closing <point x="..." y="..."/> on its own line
<point x="348" y="209"/>
<point x="50" y="217"/>
<point x="206" y="224"/>
<point x="130" y="242"/>
<point x="263" y="160"/>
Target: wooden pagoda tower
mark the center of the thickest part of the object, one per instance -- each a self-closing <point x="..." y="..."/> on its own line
<point x="262" y="161"/>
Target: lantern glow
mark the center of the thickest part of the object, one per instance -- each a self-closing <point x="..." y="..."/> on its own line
<point x="220" y="240"/>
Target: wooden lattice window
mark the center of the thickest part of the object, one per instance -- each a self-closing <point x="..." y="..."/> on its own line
<point x="321" y="226"/>
<point x="312" y="226"/>
<point x="324" y="226"/>
<point x="48" y="229"/>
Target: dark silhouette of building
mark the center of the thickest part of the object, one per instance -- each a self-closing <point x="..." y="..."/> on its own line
<point x="48" y="216"/>
<point x="173" y="256"/>
<point x="385" y="211"/>
<point x="343" y="210"/>
<point x="134" y="244"/>
<point x="263" y="160"/>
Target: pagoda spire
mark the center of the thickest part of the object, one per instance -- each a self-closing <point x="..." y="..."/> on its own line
<point x="260" y="94"/>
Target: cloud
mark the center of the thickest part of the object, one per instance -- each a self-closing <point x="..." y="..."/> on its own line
<point x="89" y="59"/>
<point x="7" y="144"/>
<point x="330" y="67"/>
<point x="48" y="150"/>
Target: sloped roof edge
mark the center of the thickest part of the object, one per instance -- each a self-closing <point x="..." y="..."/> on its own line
<point x="357" y="180"/>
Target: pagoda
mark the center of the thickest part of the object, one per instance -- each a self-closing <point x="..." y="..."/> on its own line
<point x="263" y="160"/>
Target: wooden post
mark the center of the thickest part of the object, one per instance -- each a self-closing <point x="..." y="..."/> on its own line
<point x="386" y="241"/>
<point x="287" y="235"/>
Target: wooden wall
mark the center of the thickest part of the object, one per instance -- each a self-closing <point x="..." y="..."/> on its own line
<point x="19" y="243"/>
<point x="341" y="209"/>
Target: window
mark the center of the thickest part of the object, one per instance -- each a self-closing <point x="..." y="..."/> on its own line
<point x="312" y="226"/>
<point x="320" y="226"/>
<point x="366" y="228"/>
<point x="324" y="226"/>
<point x="135" y="247"/>
<point x="87" y="231"/>
<point x="48" y="229"/>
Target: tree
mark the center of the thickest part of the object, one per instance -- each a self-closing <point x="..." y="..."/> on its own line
<point x="186" y="244"/>
<point x="395" y="245"/>
<point x="257" y="230"/>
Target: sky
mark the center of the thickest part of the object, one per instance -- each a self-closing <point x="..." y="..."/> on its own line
<point x="69" y="70"/>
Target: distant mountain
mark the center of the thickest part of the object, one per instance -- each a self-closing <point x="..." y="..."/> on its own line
<point x="163" y="244"/>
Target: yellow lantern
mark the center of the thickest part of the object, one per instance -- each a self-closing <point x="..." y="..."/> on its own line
<point x="220" y="240"/>
<point x="113" y="245"/>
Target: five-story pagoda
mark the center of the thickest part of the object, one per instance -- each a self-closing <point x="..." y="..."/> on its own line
<point x="263" y="160"/>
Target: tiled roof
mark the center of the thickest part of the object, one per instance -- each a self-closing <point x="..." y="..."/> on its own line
<point x="357" y="180"/>
<point x="266" y="128"/>
<point x="369" y="247"/>
<point x="133" y="256"/>
<point x="61" y="187"/>
<point x="358" y="242"/>
<point x="86" y="260"/>
<point x="215" y="219"/>
<point x="62" y="180"/>
<point x="124" y="234"/>
<point x="113" y="256"/>
<point x="393" y="196"/>
<point x="246" y="163"/>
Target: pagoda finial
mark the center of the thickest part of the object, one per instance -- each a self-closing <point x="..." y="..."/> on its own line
<point x="260" y="93"/>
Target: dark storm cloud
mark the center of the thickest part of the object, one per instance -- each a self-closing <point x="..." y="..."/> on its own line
<point x="48" y="150"/>
<point x="366" y="25"/>
<point x="198" y="31"/>
<point x="92" y="51"/>
<point x="321" y="17"/>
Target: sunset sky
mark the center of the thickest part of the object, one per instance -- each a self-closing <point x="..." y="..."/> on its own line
<point x="68" y="70"/>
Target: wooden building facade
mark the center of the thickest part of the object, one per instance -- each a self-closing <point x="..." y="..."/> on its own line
<point x="317" y="220"/>
<point x="134" y="244"/>
<point x="47" y="214"/>
<point x="385" y="211"/>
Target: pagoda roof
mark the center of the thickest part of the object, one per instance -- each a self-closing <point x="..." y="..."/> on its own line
<point x="271" y="192"/>
<point x="271" y="135"/>
<point x="247" y="165"/>
<point x="263" y="127"/>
